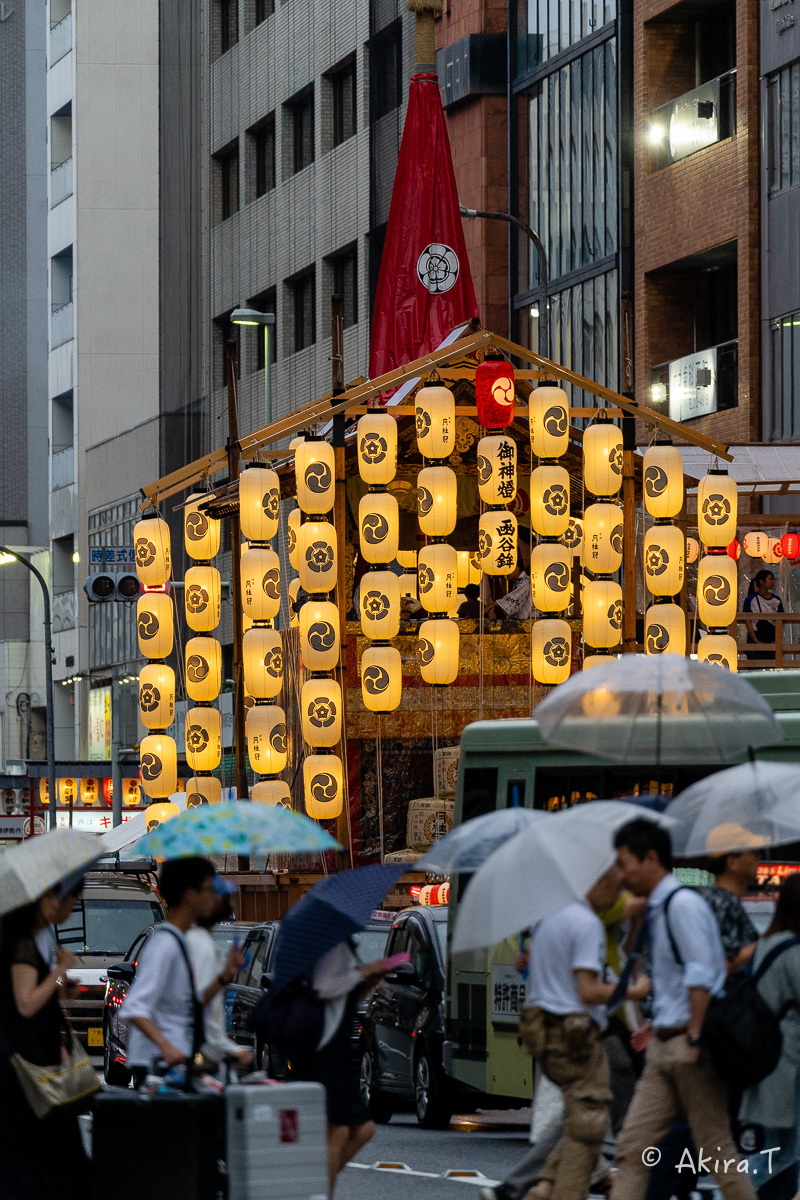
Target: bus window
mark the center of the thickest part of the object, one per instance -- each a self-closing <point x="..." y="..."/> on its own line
<point x="480" y="791"/>
<point x="515" y="793"/>
<point x="563" y="787"/>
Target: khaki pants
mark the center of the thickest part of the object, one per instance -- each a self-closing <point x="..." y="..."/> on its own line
<point x="673" y="1085"/>
<point x="583" y="1079"/>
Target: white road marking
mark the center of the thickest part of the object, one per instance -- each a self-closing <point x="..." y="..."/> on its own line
<point x="454" y="1174"/>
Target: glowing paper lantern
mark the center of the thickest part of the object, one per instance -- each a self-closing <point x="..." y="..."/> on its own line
<point x="436" y="422"/>
<point x="692" y="550"/>
<point x="321" y="711"/>
<point x="596" y="660"/>
<point x="158" y="762"/>
<point x="665" y="629"/>
<point x="381" y="678"/>
<point x="549" y="418"/>
<point x="201" y="532"/>
<point x="774" y="553"/>
<point x="719" y="649"/>
<point x="131" y="793"/>
<point x="271" y="791"/>
<point x="319" y="637"/>
<point x="380" y="605"/>
<point x="662" y="475"/>
<point x="202" y="598"/>
<point x="156" y="814"/>
<point x="573" y="538"/>
<point x="664" y="553"/>
<point x="316" y="556"/>
<point x="717" y="590"/>
<point x="262" y="654"/>
<point x="203" y="668"/>
<point x="90" y="792"/>
<point x="151" y="548"/>
<point x="790" y="545"/>
<point x="376" y="439"/>
<point x="315" y="474"/>
<point x="717" y="508"/>
<point x="259" y="503"/>
<point x="602" y="613"/>
<point x="436" y="501"/>
<point x="494" y="393"/>
<point x="203" y="789"/>
<point x="156" y="696"/>
<point x="734" y="550"/>
<point x="154" y="624"/>
<point x="378" y="527"/>
<point x="497" y="469"/>
<point x="322" y="783"/>
<point x="407" y="559"/>
<point x="550" y="501"/>
<point x="265" y="729"/>
<point x="294" y="592"/>
<point x="551" y="651"/>
<point x="260" y="574"/>
<point x="550" y="577"/>
<point x="438" y="651"/>
<point x="756" y="543"/>
<point x="602" y="538"/>
<point x="437" y="578"/>
<point x="602" y="458"/>
<point x="203" y="738"/>
<point x="497" y="542"/>
<point x="68" y="791"/>
<point x="292" y="532"/>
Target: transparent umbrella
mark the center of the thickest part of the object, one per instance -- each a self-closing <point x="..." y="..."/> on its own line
<point x="658" y="709"/>
<point x="30" y="869"/>
<point x="747" y="807"/>
<point x="467" y="846"/>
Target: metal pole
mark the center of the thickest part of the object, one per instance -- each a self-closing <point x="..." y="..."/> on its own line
<point x="234" y="455"/>
<point x="267" y="397"/>
<point x="628" y="536"/>
<point x="340" y="519"/>
<point x="48" y="678"/>
<point x="116" y="766"/>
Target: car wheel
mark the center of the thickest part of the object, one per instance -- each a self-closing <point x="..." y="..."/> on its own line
<point x="114" y="1073"/>
<point x="379" y="1106"/>
<point x="434" y="1109"/>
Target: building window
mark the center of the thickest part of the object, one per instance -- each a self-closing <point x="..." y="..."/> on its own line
<point x="299" y="131"/>
<point x="302" y="302"/>
<point x="266" y="302"/>
<point x="386" y="71"/>
<point x="225" y="182"/>
<point x="343" y="281"/>
<point x="785" y="409"/>
<point x="343" y="97"/>
<point x="263" y="9"/>
<point x="261" y="145"/>
<point x="225" y="26"/>
<point x="783" y="129"/>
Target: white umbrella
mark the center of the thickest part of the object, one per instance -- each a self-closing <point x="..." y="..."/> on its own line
<point x="658" y="709"/>
<point x="611" y="815"/>
<point x="467" y="846"/>
<point x="744" y="808"/>
<point x="30" y="869"/>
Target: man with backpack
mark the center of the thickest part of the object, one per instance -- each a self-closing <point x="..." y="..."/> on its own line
<point x="679" y="1078"/>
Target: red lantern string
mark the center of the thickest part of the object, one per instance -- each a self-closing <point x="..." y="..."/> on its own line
<point x="790" y="545"/>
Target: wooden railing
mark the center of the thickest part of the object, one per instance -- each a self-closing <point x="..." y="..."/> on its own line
<point x="761" y="656"/>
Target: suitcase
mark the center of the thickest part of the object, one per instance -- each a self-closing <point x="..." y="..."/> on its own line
<point x="160" y="1147"/>
<point x="276" y="1142"/>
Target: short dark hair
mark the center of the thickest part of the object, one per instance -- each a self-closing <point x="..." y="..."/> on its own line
<point x="178" y="875"/>
<point x="640" y="836"/>
<point x="786" y="918"/>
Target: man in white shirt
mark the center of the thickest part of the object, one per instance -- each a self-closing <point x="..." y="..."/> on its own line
<point x="678" y="1079"/>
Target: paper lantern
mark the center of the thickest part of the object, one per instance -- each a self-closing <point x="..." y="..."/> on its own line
<point x="203" y="657"/>
<point x="463" y="571"/>
<point x="319" y="635"/>
<point x="602" y="458"/>
<point x="158" y="763"/>
<point x="265" y="730"/>
<point x="316" y="556"/>
<point x="262" y="654"/>
<point x="438" y="651"/>
<point x="201" y="533"/>
<point x="203" y="789"/>
<point x="734" y="550"/>
<point x="436" y="501"/>
<point x="68" y="791"/>
<point x="664" y="554"/>
<point x="322" y="783"/>
<point x="692" y="550"/>
<point x="433" y="894"/>
<point x="407" y="559"/>
<point x="381" y="678"/>
<point x="321" y="711"/>
<point x="259" y="503"/>
<point x="549" y="417"/>
<point x="596" y="660"/>
<point x="719" y="649"/>
<point x="156" y="696"/>
<point x="716" y="508"/>
<point x="131" y="793"/>
<point x="380" y="605"/>
<point x="756" y="543"/>
<point x="494" y="393"/>
<point x="602" y="613"/>
<point x="790" y="545"/>
<point x="497" y="469"/>
<point x="376" y="439"/>
<point x="271" y="791"/>
<point x="602" y="538"/>
<point x="551" y="651"/>
<point x="154" y="624"/>
<point x="550" y="501"/>
<point x="315" y="475"/>
<point x="203" y="738"/>
<point x="292" y="533"/>
<point x="90" y="792"/>
<point x="156" y="814"/>
<point x="108" y="792"/>
<point x="774" y="553"/>
<point x="437" y="578"/>
<point x="436" y="421"/>
<point x="573" y="538"/>
<point x="662" y="475"/>
<point x="408" y="587"/>
<point x="665" y="629"/>
<point x="550" y="577"/>
<point x="44" y="792"/>
<point x="717" y="590"/>
<point x="497" y="542"/>
<point x="378" y="527"/>
<point x="260" y="574"/>
<point x="202" y="598"/>
<point x="151" y="548"/>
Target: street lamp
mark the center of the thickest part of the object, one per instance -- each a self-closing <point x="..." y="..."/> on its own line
<point x="246" y="315"/>
<point x="7" y="555"/>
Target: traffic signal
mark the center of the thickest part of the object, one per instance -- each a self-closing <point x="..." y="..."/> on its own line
<point x="121" y="586"/>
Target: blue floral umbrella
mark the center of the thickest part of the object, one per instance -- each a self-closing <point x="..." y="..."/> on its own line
<point x="236" y="827"/>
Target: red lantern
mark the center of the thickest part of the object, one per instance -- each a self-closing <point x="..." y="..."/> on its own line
<point x="107" y="792"/>
<point x="790" y="545"/>
<point x="494" y="393"/>
<point x="734" y="550"/>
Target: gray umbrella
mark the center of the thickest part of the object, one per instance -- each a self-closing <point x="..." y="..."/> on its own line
<point x="467" y="846"/>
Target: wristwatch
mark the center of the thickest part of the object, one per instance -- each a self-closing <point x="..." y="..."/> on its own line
<point x="693" y="1040"/>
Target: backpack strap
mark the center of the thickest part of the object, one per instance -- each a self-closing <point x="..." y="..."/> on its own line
<point x="774" y="953"/>
<point x="676" y="954"/>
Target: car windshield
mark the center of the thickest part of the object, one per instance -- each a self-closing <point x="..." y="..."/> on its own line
<point x="111" y="926"/>
<point x="225" y="935"/>
<point x="371" y="943"/>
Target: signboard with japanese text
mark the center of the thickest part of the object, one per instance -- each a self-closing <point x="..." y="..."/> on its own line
<point x="112" y="556"/>
<point x="693" y="385"/>
<point x="508" y="994"/>
<point x="100" y="724"/>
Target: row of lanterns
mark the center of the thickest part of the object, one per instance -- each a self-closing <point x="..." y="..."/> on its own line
<point x="90" y="792"/>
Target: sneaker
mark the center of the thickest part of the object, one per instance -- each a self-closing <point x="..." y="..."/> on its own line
<point x="500" y="1192"/>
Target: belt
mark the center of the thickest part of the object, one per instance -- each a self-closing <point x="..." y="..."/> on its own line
<point x="667" y="1033"/>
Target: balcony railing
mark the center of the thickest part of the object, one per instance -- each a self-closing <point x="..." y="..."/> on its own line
<point x="61" y="39"/>
<point x="693" y="121"/>
<point x="65" y="610"/>
<point x="63" y="325"/>
<point x="61" y="182"/>
<point x="697" y="384"/>
<point x="62" y="468"/>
